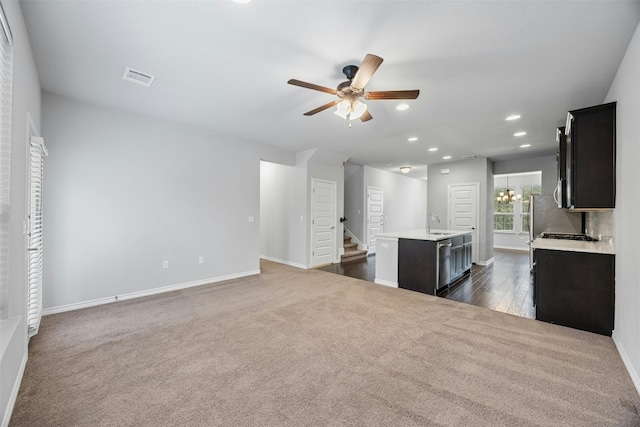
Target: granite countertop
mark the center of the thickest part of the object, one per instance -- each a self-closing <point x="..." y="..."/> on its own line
<point x="601" y="247"/>
<point x="421" y="234"/>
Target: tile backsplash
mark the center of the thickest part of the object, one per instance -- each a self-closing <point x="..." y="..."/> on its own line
<point x="600" y="224"/>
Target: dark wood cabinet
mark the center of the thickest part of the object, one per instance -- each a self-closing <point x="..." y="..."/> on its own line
<point x="422" y="263"/>
<point x="575" y="289"/>
<point x="561" y="158"/>
<point x="590" y="158"/>
<point x="417" y="265"/>
<point x="460" y="257"/>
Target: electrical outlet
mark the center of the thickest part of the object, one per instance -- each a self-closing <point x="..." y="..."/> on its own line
<point x="165" y="264"/>
<point x="201" y="260"/>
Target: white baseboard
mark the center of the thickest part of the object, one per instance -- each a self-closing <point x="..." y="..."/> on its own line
<point x="285" y="262"/>
<point x="487" y="262"/>
<point x="386" y="283"/>
<point x="512" y="248"/>
<point x="100" y="301"/>
<point x="635" y="378"/>
<point x="6" y="417"/>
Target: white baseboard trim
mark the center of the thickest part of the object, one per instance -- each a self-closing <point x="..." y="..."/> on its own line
<point x="487" y="262"/>
<point x="512" y="248"/>
<point x="6" y="417"/>
<point x="149" y="292"/>
<point x="635" y="378"/>
<point x="386" y="283"/>
<point x="285" y="262"/>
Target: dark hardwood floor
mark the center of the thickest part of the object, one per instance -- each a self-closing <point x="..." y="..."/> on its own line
<point x="504" y="285"/>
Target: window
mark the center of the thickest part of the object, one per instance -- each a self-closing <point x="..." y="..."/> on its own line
<point x="6" y="67"/>
<point x="502" y="212"/>
<point x="513" y="218"/>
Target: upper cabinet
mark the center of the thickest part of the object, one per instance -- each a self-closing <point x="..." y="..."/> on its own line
<point x="587" y="159"/>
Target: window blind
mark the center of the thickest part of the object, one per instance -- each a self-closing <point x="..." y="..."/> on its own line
<point x="37" y="151"/>
<point x="6" y="70"/>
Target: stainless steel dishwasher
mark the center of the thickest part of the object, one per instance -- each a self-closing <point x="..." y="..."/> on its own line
<point x="443" y="264"/>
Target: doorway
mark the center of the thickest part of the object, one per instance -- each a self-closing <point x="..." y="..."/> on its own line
<point x="463" y="212"/>
<point x="323" y="222"/>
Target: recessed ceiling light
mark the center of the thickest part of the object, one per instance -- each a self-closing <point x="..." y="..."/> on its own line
<point x="242" y="1"/>
<point x="446" y="157"/>
<point x="402" y="107"/>
<point x="513" y="117"/>
<point x="413" y="139"/>
<point x="433" y="149"/>
<point x="525" y="146"/>
<point x="521" y="133"/>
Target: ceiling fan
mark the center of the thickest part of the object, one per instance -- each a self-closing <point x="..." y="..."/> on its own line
<point x="349" y="92"/>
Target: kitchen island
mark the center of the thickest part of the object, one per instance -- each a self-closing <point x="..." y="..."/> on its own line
<point x="421" y="260"/>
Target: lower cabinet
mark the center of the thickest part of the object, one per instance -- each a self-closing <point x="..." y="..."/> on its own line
<point x="417" y="269"/>
<point x="575" y="289"/>
<point x="460" y="257"/>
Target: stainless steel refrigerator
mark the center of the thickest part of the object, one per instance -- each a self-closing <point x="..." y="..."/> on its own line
<point x="546" y="216"/>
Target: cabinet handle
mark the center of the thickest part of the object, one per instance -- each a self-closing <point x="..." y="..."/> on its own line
<point x="567" y="129"/>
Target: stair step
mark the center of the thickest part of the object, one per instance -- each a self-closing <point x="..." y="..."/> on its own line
<point x="350" y="246"/>
<point x="346" y="239"/>
<point x="353" y="255"/>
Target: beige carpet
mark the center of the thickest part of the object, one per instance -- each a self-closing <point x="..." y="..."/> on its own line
<point x="297" y="348"/>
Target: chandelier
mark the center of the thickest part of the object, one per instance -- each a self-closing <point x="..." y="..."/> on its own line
<point x="508" y="196"/>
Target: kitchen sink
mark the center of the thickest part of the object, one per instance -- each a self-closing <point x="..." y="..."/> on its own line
<point x="441" y="234"/>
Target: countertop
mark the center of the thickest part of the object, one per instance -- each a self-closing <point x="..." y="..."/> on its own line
<point x="601" y="247"/>
<point x="421" y="234"/>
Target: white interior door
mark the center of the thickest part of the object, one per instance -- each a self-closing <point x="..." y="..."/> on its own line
<point x="323" y="222"/>
<point x="375" y="216"/>
<point x="463" y="214"/>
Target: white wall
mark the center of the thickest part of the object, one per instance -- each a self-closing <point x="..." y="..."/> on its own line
<point x="547" y="165"/>
<point x="626" y="91"/>
<point x="285" y="205"/>
<point x="405" y="200"/>
<point x="465" y="172"/>
<point x="124" y="193"/>
<point x="283" y="213"/>
<point x="26" y="99"/>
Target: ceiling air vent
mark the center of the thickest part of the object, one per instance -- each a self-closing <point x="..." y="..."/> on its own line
<point x="474" y="156"/>
<point x="138" y="77"/>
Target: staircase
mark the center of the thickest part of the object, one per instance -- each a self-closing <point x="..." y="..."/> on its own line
<point x="351" y="252"/>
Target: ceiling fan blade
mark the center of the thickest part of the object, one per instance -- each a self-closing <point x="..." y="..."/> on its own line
<point x="322" y="108"/>
<point x="366" y="116"/>
<point x="369" y="65"/>
<point x="312" y="86"/>
<point x="392" y="94"/>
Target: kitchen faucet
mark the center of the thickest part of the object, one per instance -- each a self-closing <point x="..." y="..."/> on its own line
<point x="430" y="217"/>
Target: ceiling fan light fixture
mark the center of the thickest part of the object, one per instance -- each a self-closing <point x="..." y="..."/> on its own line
<point x="357" y="109"/>
<point x="405" y="169"/>
<point x="342" y="109"/>
<point x="402" y="107"/>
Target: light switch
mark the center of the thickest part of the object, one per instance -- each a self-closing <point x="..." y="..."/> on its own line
<point x="251" y="219"/>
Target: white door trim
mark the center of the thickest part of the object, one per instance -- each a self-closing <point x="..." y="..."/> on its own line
<point x="370" y="249"/>
<point x="312" y="240"/>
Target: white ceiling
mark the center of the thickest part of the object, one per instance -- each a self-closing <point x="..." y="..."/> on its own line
<point x="224" y="67"/>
